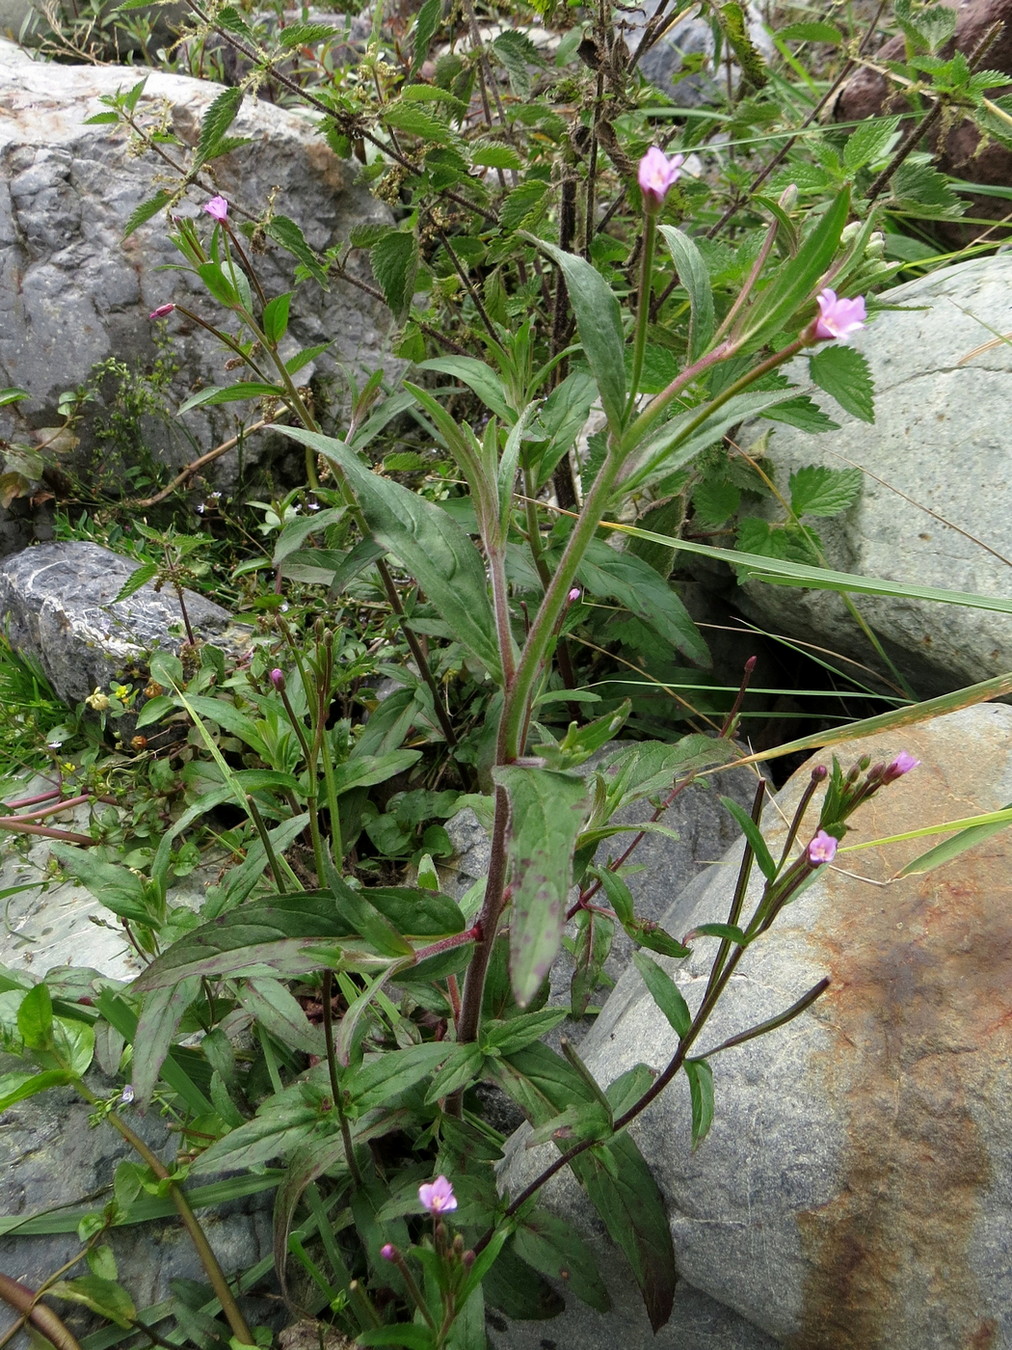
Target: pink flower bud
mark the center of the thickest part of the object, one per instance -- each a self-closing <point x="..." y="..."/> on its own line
<point x="277" y="678"/>
<point x="574" y="595"/>
<point x="838" y="318"/>
<point x="902" y="764"/>
<point x="388" y="1252"/>
<point x="657" y="175"/>
<point x="161" y="311"/>
<point x="217" y="207"/>
<point x="438" y="1196"/>
<point x="822" y="849"/>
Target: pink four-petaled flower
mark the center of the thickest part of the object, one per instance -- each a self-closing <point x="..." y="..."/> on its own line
<point x="657" y="175"/>
<point x="822" y="849"/>
<point x="838" y="318"/>
<point x="217" y="207"/>
<point x="437" y="1196"/>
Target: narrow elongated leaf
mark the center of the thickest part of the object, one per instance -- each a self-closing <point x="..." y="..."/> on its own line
<point x="753" y="834"/>
<point x="478" y="377"/>
<point x="952" y="848"/>
<point x="664" y="992"/>
<point x="157" y="1024"/>
<point x="18" y="1087"/>
<point x="700" y="1077"/>
<point x="796" y="281"/>
<point x="380" y="1080"/>
<point x="632" y="1209"/>
<point x="424" y="539"/>
<point x="599" y="321"/>
<point x="233" y="393"/>
<point x="275" y="318"/>
<point x="546" y="814"/>
<point x="552" y="1245"/>
<point x="695" y="279"/>
<point x="119" y="889"/>
<point x="282" y="1015"/>
<point x="644" y="592"/>
<point x="780" y="572"/>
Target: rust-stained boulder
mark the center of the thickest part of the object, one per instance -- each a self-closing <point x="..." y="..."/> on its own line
<point x="855" y="1192"/>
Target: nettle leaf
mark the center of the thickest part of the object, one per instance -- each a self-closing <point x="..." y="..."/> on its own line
<point x="516" y="53"/>
<point x="216" y="121"/>
<point x="286" y="233"/>
<point x="496" y="157"/>
<point x="405" y="116"/>
<point x="811" y="32"/>
<point x="524" y="206"/>
<point x="394" y="260"/>
<point x="846" y="376"/>
<point x="139" y="577"/>
<point x="820" y="491"/>
<point x="547" y="811"/>
<point x="625" y="1194"/>
<point x="425" y="28"/>
<point x="924" y="192"/>
<point x="869" y="142"/>
<point x="143" y="213"/>
<point x="803" y="413"/>
<point x="714" y="501"/>
<point x="306" y="34"/>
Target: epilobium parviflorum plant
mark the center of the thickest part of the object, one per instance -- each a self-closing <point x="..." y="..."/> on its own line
<point x="321" y="1025"/>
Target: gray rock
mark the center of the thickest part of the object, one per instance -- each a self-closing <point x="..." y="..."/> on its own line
<point x="58" y="601"/>
<point x="689" y="35"/>
<point x="854" y="1191"/>
<point x="936" y="505"/>
<point x="51" y="1156"/>
<point x="74" y="293"/>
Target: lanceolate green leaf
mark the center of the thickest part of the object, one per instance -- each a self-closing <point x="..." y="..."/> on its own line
<point x="599" y="321"/>
<point x="695" y="279"/>
<point x="700" y="1077"/>
<point x="782" y="573"/>
<point x="424" y="539"/>
<point x="796" y="281"/>
<point x="645" y="593"/>
<point x="664" y="992"/>
<point x="633" y="1212"/>
<point x="546" y="815"/>
<point x="480" y="378"/>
